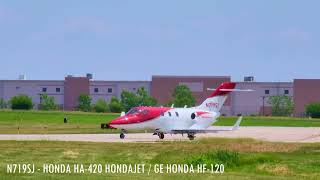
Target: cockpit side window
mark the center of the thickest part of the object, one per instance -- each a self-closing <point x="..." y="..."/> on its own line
<point x="144" y="112"/>
<point x="133" y="111"/>
<point x="169" y="113"/>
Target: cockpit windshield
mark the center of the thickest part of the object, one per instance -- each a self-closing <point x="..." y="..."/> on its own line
<point x="137" y="111"/>
<point x="133" y="111"/>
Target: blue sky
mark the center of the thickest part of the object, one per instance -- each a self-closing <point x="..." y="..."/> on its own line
<point x="133" y="39"/>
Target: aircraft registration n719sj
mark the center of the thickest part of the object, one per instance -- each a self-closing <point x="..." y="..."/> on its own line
<point x="166" y="120"/>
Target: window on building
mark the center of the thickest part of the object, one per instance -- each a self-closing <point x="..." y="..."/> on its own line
<point x="169" y="113"/>
<point x="109" y="90"/>
<point x="286" y="91"/>
<point x="177" y="114"/>
<point x="96" y="90"/>
<point x="267" y="91"/>
<point x="58" y="90"/>
<point x="44" y="89"/>
<point x="17" y="88"/>
<point x="134" y="89"/>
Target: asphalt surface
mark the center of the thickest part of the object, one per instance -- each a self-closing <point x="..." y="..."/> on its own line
<point x="274" y="134"/>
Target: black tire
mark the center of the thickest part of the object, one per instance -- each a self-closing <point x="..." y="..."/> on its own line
<point x="191" y="137"/>
<point x="122" y="136"/>
<point x="161" y="135"/>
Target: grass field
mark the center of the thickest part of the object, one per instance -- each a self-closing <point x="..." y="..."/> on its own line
<point x="242" y="158"/>
<point x="42" y="122"/>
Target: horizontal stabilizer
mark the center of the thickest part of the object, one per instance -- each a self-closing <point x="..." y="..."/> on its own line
<point x="232" y="90"/>
<point x="235" y="127"/>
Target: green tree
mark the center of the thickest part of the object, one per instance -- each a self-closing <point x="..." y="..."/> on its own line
<point x="141" y="98"/>
<point x="84" y="102"/>
<point x="144" y="98"/>
<point x="129" y="100"/>
<point x="101" y="106"/>
<point x="313" y="110"/>
<point x="182" y="96"/>
<point x="47" y="103"/>
<point x="21" y="102"/>
<point x="3" y="104"/>
<point x="115" y="105"/>
<point x="281" y="105"/>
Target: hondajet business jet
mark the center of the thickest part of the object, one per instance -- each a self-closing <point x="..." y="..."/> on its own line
<point x="165" y="120"/>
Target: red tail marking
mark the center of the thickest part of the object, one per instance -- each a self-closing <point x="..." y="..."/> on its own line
<point x="225" y="85"/>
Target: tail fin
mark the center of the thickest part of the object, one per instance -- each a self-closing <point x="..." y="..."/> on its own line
<point x="216" y="100"/>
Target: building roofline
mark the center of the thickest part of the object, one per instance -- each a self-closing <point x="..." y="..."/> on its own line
<point x="31" y="80"/>
<point x="176" y="76"/>
<point x="263" y="82"/>
<point x="102" y="81"/>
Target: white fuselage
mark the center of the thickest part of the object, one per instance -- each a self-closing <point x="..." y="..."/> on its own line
<point x="175" y="118"/>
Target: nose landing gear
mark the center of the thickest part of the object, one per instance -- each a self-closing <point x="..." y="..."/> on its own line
<point x="191" y="136"/>
<point x="122" y="136"/>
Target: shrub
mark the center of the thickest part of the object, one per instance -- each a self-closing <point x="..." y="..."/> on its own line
<point x="101" y="106"/>
<point x="47" y="103"/>
<point x="115" y="105"/>
<point x="313" y="110"/>
<point x="84" y="101"/>
<point x="281" y="105"/>
<point x="3" y="104"/>
<point x="21" y="102"/>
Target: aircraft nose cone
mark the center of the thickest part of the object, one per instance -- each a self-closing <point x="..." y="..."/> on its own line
<point x="119" y="120"/>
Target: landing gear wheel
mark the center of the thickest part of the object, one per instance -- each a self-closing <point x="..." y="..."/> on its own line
<point x="122" y="136"/>
<point x="191" y="137"/>
<point x="161" y="135"/>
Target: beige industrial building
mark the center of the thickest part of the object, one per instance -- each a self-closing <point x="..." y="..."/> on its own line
<point x="66" y="92"/>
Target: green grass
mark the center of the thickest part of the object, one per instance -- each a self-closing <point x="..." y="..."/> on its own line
<point x="51" y="122"/>
<point x="270" y="121"/>
<point x="48" y="122"/>
<point x="243" y="158"/>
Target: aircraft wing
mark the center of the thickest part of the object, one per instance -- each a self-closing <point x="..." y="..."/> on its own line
<point x="235" y="127"/>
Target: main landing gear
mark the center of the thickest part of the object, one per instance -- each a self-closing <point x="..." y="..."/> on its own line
<point x="160" y="134"/>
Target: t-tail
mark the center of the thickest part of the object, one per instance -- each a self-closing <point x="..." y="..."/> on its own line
<point x="216" y="100"/>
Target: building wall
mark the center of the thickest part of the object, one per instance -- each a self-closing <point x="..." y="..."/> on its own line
<point x="162" y="87"/>
<point x="116" y="86"/>
<point x="305" y="91"/>
<point x="256" y="102"/>
<point x="73" y="87"/>
<point x="32" y="88"/>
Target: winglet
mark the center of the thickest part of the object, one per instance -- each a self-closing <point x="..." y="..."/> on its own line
<point x="237" y="124"/>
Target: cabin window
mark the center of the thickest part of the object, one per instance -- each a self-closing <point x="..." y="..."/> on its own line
<point x="177" y="114"/>
<point x="169" y="113"/>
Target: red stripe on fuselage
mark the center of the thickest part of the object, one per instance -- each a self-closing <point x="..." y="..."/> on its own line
<point x="144" y="114"/>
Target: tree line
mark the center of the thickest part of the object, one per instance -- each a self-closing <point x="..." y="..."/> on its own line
<point x="181" y="96"/>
